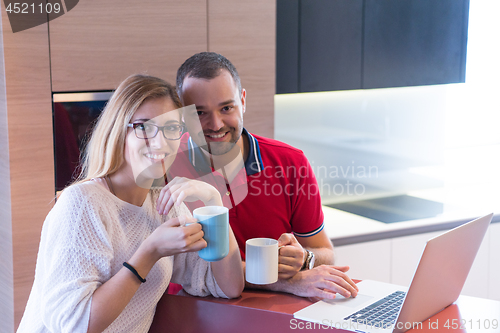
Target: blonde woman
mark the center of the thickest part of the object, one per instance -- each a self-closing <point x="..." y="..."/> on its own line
<point x="106" y="255"/>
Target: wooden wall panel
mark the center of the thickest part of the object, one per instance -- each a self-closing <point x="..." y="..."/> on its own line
<point x="93" y="47"/>
<point x="6" y="269"/>
<point x="30" y="154"/>
<point x="245" y="33"/>
<point x="100" y="42"/>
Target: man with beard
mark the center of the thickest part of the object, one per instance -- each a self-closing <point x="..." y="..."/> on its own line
<point x="268" y="185"/>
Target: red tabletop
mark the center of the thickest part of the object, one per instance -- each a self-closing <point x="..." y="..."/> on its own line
<point x="263" y="311"/>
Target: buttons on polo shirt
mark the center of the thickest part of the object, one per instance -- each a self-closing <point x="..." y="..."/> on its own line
<point x="228" y="193"/>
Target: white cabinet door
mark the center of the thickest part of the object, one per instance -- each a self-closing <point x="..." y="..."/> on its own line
<point x="494" y="262"/>
<point x="477" y="282"/>
<point x="406" y="253"/>
<point x="370" y="260"/>
<point x="395" y="260"/>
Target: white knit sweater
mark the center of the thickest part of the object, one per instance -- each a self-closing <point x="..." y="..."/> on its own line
<point x="85" y="239"/>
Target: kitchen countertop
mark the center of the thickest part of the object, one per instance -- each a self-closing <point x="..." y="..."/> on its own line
<point x="345" y="228"/>
<point x="470" y="188"/>
<point x="461" y="204"/>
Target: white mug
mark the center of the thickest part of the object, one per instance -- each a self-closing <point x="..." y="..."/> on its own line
<point x="261" y="260"/>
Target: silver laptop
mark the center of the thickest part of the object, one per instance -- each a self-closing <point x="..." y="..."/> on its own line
<point x="437" y="282"/>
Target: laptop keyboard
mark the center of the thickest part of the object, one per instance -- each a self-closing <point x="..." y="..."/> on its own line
<point x="381" y="313"/>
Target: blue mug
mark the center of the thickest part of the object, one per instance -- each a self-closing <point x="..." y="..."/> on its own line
<point x="214" y="221"/>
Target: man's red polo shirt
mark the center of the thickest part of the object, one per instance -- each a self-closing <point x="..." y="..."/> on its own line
<point x="275" y="193"/>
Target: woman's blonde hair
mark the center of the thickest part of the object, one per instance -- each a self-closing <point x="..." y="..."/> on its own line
<point x="104" y="151"/>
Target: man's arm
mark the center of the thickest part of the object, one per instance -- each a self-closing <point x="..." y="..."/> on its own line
<point x="292" y="254"/>
<point x="322" y="282"/>
<point x="307" y="217"/>
<point x="321" y="246"/>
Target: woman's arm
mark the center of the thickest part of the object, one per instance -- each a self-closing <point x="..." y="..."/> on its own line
<point x="109" y="300"/>
<point x="229" y="278"/>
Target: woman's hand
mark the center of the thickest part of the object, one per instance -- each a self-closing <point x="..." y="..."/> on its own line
<point x="183" y="189"/>
<point x="177" y="235"/>
<point x="170" y="238"/>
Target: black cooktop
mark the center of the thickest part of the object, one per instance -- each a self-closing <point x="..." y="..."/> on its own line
<point x="393" y="209"/>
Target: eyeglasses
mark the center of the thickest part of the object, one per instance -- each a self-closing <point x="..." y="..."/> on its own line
<point x="172" y="131"/>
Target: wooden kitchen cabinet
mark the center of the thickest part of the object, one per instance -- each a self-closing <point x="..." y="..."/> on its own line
<point x="94" y="47"/>
<point x="26" y="163"/>
<point x="245" y="32"/>
<point x="325" y="45"/>
<point x="99" y="43"/>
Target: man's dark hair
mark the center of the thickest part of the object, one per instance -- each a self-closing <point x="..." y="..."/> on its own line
<point x="206" y="65"/>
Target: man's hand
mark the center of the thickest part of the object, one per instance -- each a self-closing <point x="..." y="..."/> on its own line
<point x="321" y="282"/>
<point x="291" y="256"/>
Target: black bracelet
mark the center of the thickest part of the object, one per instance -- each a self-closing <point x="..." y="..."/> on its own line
<point x="132" y="269"/>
